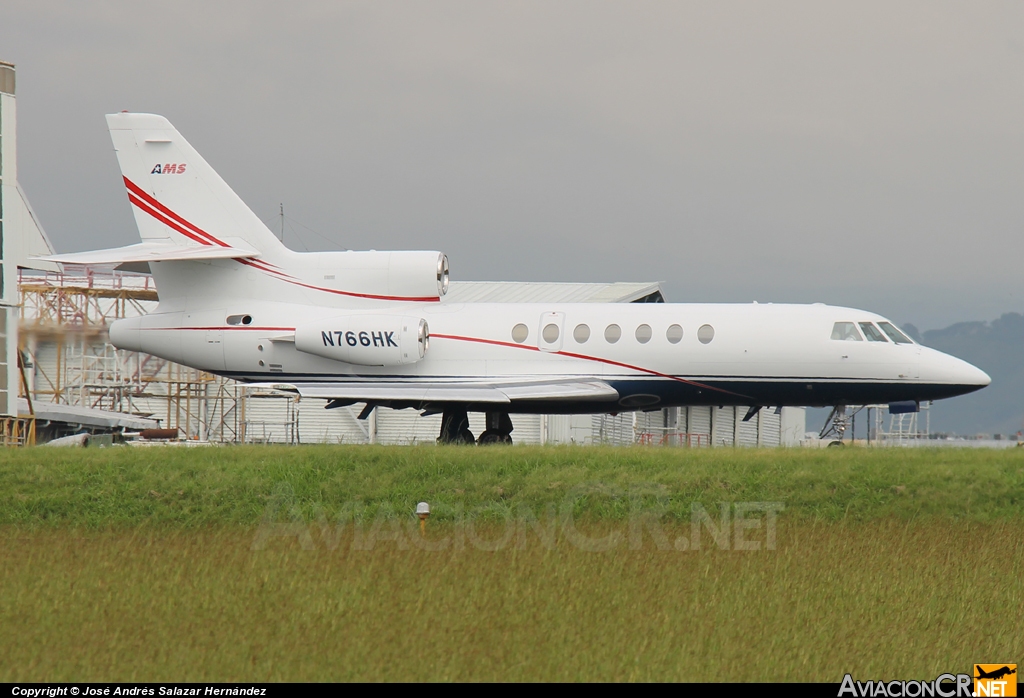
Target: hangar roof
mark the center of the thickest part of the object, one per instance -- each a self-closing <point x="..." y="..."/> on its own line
<point x="545" y="292"/>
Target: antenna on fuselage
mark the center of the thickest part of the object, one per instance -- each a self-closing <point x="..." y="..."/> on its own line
<point x="282" y="223"/>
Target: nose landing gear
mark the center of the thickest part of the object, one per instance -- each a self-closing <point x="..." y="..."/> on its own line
<point x="836" y="424"/>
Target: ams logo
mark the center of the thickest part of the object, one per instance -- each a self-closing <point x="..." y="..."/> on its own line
<point x="995" y="680"/>
<point x="172" y="168"/>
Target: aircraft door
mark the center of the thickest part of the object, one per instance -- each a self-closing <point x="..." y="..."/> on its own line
<point x="915" y="362"/>
<point x="552" y="327"/>
<point x="215" y="348"/>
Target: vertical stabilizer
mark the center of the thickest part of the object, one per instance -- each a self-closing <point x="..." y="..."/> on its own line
<point x="176" y="195"/>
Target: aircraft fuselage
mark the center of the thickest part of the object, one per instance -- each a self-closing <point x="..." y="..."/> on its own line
<point x="652" y="354"/>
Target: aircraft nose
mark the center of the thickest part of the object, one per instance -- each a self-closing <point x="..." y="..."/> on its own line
<point x="976" y="376"/>
<point x="950" y="370"/>
<point x="963" y="373"/>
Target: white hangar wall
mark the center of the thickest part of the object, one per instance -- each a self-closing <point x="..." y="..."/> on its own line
<point x="20" y="236"/>
<point x="683" y="426"/>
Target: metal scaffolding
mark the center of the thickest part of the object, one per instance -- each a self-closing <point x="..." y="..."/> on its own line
<point x="903" y="428"/>
<point x="69" y="360"/>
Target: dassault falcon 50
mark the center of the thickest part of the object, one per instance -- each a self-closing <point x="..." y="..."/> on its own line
<point x="375" y="328"/>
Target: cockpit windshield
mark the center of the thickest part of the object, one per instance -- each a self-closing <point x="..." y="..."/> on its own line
<point x="849" y="332"/>
<point x="894" y="334"/>
<point x="871" y="332"/>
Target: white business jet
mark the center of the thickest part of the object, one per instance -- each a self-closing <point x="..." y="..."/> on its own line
<point x="374" y="327"/>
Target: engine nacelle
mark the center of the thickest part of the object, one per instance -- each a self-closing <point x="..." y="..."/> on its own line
<point x="386" y="275"/>
<point x="366" y="340"/>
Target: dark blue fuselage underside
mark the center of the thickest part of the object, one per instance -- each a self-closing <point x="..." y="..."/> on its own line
<point x="652" y="393"/>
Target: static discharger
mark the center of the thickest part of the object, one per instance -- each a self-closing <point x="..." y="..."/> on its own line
<point x="423" y="512"/>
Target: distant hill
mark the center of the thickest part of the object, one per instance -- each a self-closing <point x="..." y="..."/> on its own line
<point x="997" y="348"/>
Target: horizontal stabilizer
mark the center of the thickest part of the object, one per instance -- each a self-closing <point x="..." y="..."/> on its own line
<point x="421" y="391"/>
<point x="150" y="251"/>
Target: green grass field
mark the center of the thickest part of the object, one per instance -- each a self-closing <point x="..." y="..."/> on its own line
<point x="264" y="563"/>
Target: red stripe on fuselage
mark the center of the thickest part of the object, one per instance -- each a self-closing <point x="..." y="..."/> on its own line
<point x="145" y="196"/>
<point x="205" y="237"/>
<point x="418" y="299"/>
<point x="154" y="208"/>
<point x="158" y="213"/>
<point x="584" y="357"/>
<point x="227" y="327"/>
<point x="262" y="266"/>
<point x="166" y="221"/>
<point x="498" y="343"/>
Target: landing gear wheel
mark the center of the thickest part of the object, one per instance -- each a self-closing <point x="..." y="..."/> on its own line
<point x="466" y="437"/>
<point x="499" y="426"/>
<point x="835" y="444"/>
<point x="494" y="437"/>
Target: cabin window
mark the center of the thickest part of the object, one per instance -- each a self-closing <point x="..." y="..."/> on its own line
<point x="894" y="334"/>
<point x="550" y="333"/>
<point x="581" y="334"/>
<point x="674" y="334"/>
<point x="872" y="333"/>
<point x="612" y="333"/>
<point x="239" y="319"/>
<point x="644" y="334"/>
<point x="705" y="334"/>
<point x="846" y="331"/>
<point x="520" y="332"/>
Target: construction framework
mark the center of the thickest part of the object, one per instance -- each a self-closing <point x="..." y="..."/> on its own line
<point x="68" y="359"/>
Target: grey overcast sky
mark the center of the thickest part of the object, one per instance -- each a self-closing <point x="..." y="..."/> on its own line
<point x="862" y="153"/>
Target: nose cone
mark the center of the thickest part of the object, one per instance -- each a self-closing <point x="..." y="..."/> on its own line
<point x="977" y="376"/>
<point x="960" y="376"/>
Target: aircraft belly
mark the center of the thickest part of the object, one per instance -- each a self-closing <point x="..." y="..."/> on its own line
<point x="751" y="391"/>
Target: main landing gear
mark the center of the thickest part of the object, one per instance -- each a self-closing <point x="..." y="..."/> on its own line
<point x="455" y="428"/>
<point x="499" y="429"/>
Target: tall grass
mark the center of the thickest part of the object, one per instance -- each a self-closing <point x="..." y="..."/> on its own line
<point x="187" y="488"/>
<point x="157" y="565"/>
<point x="879" y="599"/>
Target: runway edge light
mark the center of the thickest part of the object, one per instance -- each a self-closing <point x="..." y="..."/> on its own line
<point x="423" y="512"/>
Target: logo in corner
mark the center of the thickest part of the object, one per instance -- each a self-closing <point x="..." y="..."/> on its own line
<point x="995" y="680"/>
<point x="171" y="168"/>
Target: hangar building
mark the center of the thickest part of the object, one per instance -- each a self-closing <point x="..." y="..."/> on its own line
<point x="20" y="236"/>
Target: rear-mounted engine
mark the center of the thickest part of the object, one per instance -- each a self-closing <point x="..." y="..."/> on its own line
<point x="366" y="340"/>
<point x="420" y="276"/>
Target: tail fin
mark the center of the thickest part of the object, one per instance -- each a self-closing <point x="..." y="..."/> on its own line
<point x="176" y="195"/>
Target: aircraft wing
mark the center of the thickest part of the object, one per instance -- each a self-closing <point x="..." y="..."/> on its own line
<point x="496" y="392"/>
<point x="150" y="251"/>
